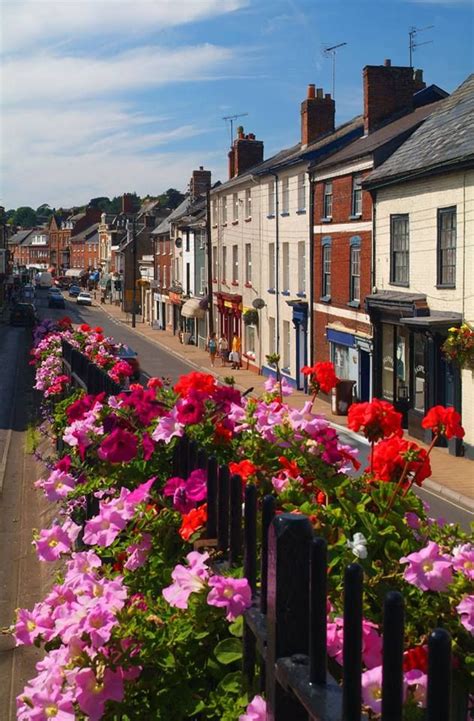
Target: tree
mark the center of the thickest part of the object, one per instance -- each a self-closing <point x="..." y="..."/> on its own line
<point x="171" y="199"/>
<point x="25" y="217"/>
<point x="44" y="213"/>
<point x="102" y="202"/>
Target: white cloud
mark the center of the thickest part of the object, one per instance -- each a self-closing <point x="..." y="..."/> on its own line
<point x="27" y="22"/>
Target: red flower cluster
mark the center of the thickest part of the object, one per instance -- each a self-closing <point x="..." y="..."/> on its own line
<point x="120" y="370"/>
<point x="196" y="382"/>
<point x="378" y="419"/>
<point x="244" y="469"/>
<point x="189" y="411"/>
<point x="390" y="457"/>
<point x="416" y="658"/>
<point x="222" y="434"/>
<point x="120" y="446"/>
<point x="64" y="323"/>
<point x="193" y="521"/>
<point x="78" y="409"/>
<point x="322" y="376"/>
<point x="143" y="403"/>
<point x="85" y="328"/>
<point x="154" y="383"/>
<point x="444" y="422"/>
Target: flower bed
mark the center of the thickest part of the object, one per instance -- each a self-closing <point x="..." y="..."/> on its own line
<point x="144" y="623"/>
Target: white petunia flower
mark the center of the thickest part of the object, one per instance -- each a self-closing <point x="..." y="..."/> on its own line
<point x="358" y="545"/>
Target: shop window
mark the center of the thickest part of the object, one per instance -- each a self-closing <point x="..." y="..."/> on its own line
<point x="419" y="372"/>
<point x="340" y="358"/>
<point x="399" y="249"/>
<point x="447" y="247"/>
<point x="395" y="363"/>
<point x="387" y="362"/>
<point x="250" y="343"/>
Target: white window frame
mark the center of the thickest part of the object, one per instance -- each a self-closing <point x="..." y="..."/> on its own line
<point x="235" y="264"/>
<point x="285" y="195"/>
<point x="235" y="207"/>
<point x="271" y="198"/>
<point x="301" y="266"/>
<point x="271" y="266"/>
<point x="248" y="203"/>
<point x="248" y="263"/>
<point x="285" y="266"/>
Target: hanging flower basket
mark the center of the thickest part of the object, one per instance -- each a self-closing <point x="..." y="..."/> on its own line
<point x="250" y="317"/>
<point x="459" y="346"/>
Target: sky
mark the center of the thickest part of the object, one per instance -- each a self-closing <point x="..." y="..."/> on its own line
<point x="102" y="97"/>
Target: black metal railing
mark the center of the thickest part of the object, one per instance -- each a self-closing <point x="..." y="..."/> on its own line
<point x="86" y="373"/>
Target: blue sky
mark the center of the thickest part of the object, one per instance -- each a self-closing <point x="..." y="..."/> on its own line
<point x="100" y="97"/>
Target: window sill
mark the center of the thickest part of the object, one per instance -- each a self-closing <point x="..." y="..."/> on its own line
<point x="354" y="304"/>
<point x="325" y="220"/>
<point x="248" y="285"/>
<point x="214" y="280"/>
<point x="284" y="214"/>
<point x="325" y="299"/>
<point x="399" y="285"/>
<point x="235" y="222"/>
<point x="301" y="211"/>
<point x="445" y="286"/>
<point x="224" y="225"/>
<point x="271" y="290"/>
<point x="235" y="282"/>
<point x="285" y="292"/>
<point x="357" y="216"/>
<point x="247" y="220"/>
<point x="270" y="216"/>
<point x="286" y="370"/>
<point x="301" y="294"/>
<point x="214" y="225"/>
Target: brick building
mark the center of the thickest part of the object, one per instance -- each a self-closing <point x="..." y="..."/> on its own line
<point x="396" y="102"/>
<point x="60" y="232"/>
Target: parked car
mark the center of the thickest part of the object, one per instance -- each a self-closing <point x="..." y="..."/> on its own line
<point x="23" y="314"/>
<point x="45" y="280"/>
<point x="29" y="293"/>
<point x="74" y="291"/>
<point x="84" y="298"/>
<point x="127" y="354"/>
<point x="56" y="300"/>
<point x="53" y="291"/>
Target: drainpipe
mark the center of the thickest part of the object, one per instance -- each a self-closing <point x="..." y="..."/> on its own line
<point x="277" y="264"/>
<point x="209" y="263"/>
<point x="311" y="269"/>
<point x="373" y="277"/>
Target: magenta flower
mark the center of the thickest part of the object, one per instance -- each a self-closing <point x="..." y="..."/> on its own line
<point x="98" y="623"/>
<point x="141" y="493"/>
<point x="255" y="711"/>
<point x="53" y="542"/>
<point x="428" y="569"/>
<point x="335" y="638"/>
<point x="417" y="682"/>
<point x="92" y="693"/>
<point x="371" y="644"/>
<point x="138" y="553"/>
<point x="465" y="610"/>
<point x="119" y="447"/>
<point x="372" y="688"/>
<point x="186" y="493"/>
<point x="189" y="411"/>
<point x="463" y="559"/>
<point x="148" y="446"/>
<point x="187" y="580"/>
<point x="233" y="594"/>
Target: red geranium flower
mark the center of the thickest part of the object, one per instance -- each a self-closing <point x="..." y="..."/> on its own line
<point x="390" y="457"/>
<point x="244" y="469"/>
<point x="416" y="658"/>
<point x="154" y="383"/>
<point x="193" y="521"/>
<point x="222" y="434"/>
<point x="98" y="329"/>
<point x="195" y="382"/>
<point x="85" y="328"/>
<point x="444" y="422"/>
<point x="291" y="467"/>
<point x="322" y="376"/>
<point x="377" y="419"/>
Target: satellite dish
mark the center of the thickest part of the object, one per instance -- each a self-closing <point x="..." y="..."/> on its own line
<point x="178" y="242"/>
<point x="258" y="303"/>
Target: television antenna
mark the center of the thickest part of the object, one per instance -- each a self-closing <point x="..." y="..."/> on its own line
<point x="330" y="51"/>
<point x="413" y="44"/>
<point x="230" y="119"/>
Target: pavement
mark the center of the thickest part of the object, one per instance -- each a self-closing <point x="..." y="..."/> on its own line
<point x="452" y="477"/>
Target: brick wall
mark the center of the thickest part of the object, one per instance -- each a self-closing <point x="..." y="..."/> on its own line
<point x="341" y="200"/>
<point x="340" y="267"/>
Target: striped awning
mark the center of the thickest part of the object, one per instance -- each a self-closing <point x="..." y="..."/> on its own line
<point x="192" y="309"/>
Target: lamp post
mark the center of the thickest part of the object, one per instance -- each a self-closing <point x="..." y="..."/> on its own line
<point x="134" y="276"/>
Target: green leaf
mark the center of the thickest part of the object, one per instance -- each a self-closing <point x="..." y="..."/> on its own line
<point x="237" y="627"/>
<point x="228" y="651"/>
<point x="232" y="683"/>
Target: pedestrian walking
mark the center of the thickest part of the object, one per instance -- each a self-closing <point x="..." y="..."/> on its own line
<point x="223" y="348"/>
<point x="235" y="352"/>
<point x="212" y="348"/>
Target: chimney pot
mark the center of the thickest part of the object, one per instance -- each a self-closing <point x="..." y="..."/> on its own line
<point x="317" y="115"/>
<point x="311" y="91"/>
<point x="327" y="96"/>
<point x="387" y="63"/>
<point x="246" y="152"/>
<point x="319" y="92"/>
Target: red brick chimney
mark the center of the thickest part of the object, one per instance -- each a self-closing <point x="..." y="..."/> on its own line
<point x="388" y="90"/>
<point x="200" y="182"/>
<point x="127" y="203"/>
<point x="244" y="153"/>
<point x="317" y="115"/>
<point x="418" y="82"/>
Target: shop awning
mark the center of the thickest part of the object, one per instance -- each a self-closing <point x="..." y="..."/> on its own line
<point x="192" y="309"/>
<point x="75" y="272"/>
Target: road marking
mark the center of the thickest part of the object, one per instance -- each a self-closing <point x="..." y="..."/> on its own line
<point x="446" y="500"/>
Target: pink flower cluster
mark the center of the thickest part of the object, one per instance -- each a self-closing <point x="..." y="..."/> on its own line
<point x="232" y="594"/>
<point x="186" y="493"/>
<point x="431" y="570"/>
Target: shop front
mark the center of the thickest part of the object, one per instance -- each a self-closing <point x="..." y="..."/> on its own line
<point x="229" y="309"/>
<point x="351" y="354"/>
<point x="194" y="322"/>
<point x="175" y="313"/>
<point x="410" y="369"/>
<point x="300" y="325"/>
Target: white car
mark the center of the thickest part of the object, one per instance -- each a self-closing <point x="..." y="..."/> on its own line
<point x="84" y="298"/>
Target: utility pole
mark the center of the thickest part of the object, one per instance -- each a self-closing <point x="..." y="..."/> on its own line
<point x="412" y="40"/>
<point x="134" y="276"/>
<point x="330" y="51"/>
<point x="209" y="263"/>
<point x="231" y="119"/>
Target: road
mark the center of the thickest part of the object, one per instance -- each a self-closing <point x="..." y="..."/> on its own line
<point x="157" y="362"/>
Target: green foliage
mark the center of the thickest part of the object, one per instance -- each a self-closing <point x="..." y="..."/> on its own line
<point x="25" y="217"/>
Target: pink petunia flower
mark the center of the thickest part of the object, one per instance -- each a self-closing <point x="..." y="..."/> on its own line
<point x="30" y="625"/>
<point x="53" y="542"/>
<point x="138" y="552"/>
<point x="92" y="693"/>
<point x="255" y="711"/>
<point x="187" y="580"/>
<point x="428" y="569"/>
<point x="168" y="427"/>
<point x="463" y="559"/>
<point x="186" y="493"/>
<point x="372" y="688"/>
<point x="417" y="682"/>
<point x="233" y="594"/>
<point x="465" y="610"/>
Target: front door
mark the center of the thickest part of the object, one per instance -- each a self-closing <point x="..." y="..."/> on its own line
<point x="364" y="375"/>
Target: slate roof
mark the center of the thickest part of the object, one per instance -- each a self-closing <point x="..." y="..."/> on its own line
<point x="369" y="144"/>
<point x="444" y="140"/>
<point x="84" y="234"/>
<point x="165" y="225"/>
<point x="29" y="240"/>
<point x="287" y="157"/>
<point x="19" y="237"/>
